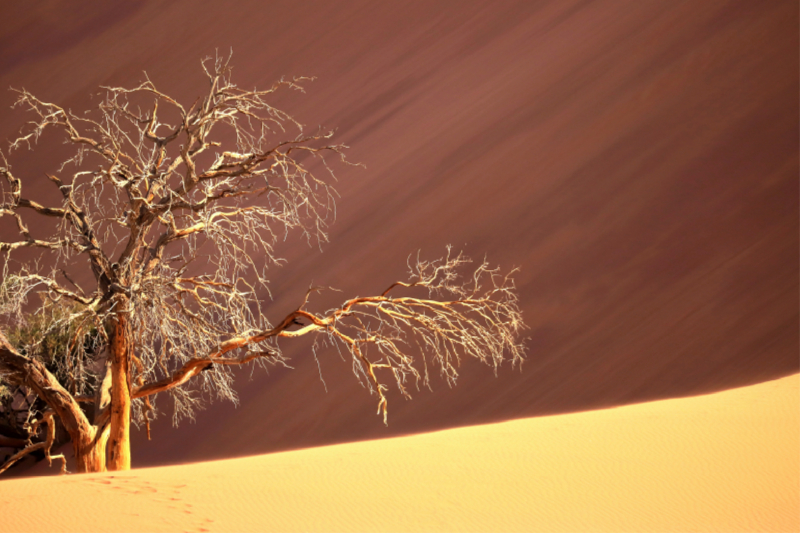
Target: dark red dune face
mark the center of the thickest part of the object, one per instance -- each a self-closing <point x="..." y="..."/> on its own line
<point x="637" y="160"/>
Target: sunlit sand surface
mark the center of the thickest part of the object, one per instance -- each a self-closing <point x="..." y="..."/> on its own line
<point x="722" y="462"/>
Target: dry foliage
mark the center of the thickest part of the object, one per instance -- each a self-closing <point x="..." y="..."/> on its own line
<point x="177" y="211"/>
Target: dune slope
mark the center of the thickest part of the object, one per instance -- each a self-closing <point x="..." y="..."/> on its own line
<point x="637" y="160"/>
<point x="722" y="462"/>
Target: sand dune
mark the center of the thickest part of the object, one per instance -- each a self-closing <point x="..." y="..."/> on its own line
<point x="722" y="462"/>
<point x="637" y="160"/>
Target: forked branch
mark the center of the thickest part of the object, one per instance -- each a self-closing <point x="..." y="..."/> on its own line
<point x="482" y="321"/>
<point x="46" y="444"/>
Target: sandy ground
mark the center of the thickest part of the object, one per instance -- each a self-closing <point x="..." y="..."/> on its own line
<point x="721" y="462"/>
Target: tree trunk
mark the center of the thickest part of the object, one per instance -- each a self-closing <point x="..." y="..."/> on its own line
<point x="102" y="396"/>
<point x="119" y="444"/>
<point x="90" y="451"/>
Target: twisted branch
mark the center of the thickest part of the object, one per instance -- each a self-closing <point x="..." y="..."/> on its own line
<point x="482" y="322"/>
<point x="46" y="445"/>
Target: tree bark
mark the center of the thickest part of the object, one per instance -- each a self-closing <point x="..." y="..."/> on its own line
<point x="21" y="370"/>
<point x="90" y="451"/>
<point x="119" y="439"/>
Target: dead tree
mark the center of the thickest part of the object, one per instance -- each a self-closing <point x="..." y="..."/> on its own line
<point x="177" y="210"/>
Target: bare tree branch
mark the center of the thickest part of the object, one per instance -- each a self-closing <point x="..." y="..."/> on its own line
<point x="178" y="209"/>
<point x="46" y="445"/>
<point x="481" y="323"/>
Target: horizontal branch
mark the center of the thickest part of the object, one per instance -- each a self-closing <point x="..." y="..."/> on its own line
<point x="37" y="243"/>
<point x="52" y="285"/>
<point x="42" y="210"/>
<point x="190" y="369"/>
<point x="480" y="324"/>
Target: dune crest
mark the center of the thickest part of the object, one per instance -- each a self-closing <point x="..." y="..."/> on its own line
<point x="720" y="462"/>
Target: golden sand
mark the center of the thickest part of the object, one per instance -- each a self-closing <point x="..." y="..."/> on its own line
<point x="723" y="462"/>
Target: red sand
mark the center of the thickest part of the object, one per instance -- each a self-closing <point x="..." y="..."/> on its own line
<point x="638" y="161"/>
